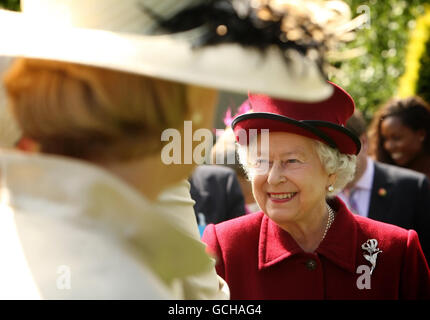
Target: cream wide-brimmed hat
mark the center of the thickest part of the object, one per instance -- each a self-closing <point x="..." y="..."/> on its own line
<point x="271" y="47"/>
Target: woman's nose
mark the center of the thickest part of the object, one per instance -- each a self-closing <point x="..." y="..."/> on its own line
<point x="276" y="175"/>
<point x="389" y="145"/>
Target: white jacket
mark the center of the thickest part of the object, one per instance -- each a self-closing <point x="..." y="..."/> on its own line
<point x="177" y="206"/>
<point x="71" y="230"/>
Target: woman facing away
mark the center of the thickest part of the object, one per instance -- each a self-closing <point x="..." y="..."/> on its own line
<point x="400" y="134"/>
<point x="106" y="149"/>
<point x="305" y="243"/>
<point x="78" y="221"/>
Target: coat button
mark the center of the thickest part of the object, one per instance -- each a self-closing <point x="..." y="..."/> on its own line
<point x="311" y="264"/>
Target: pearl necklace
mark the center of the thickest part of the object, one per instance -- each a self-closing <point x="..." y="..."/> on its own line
<point x="329" y="221"/>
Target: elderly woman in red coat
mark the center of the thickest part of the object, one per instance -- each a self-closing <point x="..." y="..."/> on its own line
<point x="305" y="243"/>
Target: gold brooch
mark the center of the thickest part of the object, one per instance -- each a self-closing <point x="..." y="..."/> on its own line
<point x="382" y="192"/>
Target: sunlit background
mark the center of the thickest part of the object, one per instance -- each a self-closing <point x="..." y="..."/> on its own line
<point x="394" y="60"/>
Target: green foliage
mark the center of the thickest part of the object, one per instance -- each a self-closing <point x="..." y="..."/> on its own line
<point x="10" y="4"/>
<point x="372" y="78"/>
<point x="423" y="82"/>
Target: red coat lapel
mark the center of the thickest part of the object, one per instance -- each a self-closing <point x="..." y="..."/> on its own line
<point x="276" y="245"/>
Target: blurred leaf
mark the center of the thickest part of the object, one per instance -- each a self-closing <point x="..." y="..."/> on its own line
<point x="372" y="78"/>
<point x="10" y="4"/>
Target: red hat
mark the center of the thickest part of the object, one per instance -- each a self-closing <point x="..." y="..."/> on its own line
<point x="324" y="121"/>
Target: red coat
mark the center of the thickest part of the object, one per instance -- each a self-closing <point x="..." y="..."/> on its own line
<point x="259" y="260"/>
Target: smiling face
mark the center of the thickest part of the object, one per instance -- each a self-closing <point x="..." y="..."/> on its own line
<point x="401" y="142"/>
<point x="294" y="187"/>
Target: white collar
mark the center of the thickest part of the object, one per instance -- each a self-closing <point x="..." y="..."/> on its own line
<point x="366" y="180"/>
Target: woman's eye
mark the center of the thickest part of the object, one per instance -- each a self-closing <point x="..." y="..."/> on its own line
<point x="261" y="162"/>
<point x="290" y="163"/>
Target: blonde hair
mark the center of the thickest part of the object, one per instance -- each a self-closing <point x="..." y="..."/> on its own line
<point x="92" y="113"/>
<point x="334" y="162"/>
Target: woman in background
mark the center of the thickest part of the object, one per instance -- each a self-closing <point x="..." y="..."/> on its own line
<point x="400" y="134"/>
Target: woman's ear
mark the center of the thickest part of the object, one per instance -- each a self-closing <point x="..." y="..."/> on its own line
<point x="202" y="103"/>
<point x="27" y="145"/>
<point x="421" y="135"/>
<point x="332" y="179"/>
<point x="364" y="143"/>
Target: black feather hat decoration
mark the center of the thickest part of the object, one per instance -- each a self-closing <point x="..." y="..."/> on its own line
<point x="310" y="27"/>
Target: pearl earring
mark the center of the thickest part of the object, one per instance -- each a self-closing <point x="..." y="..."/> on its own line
<point x="330" y="188"/>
